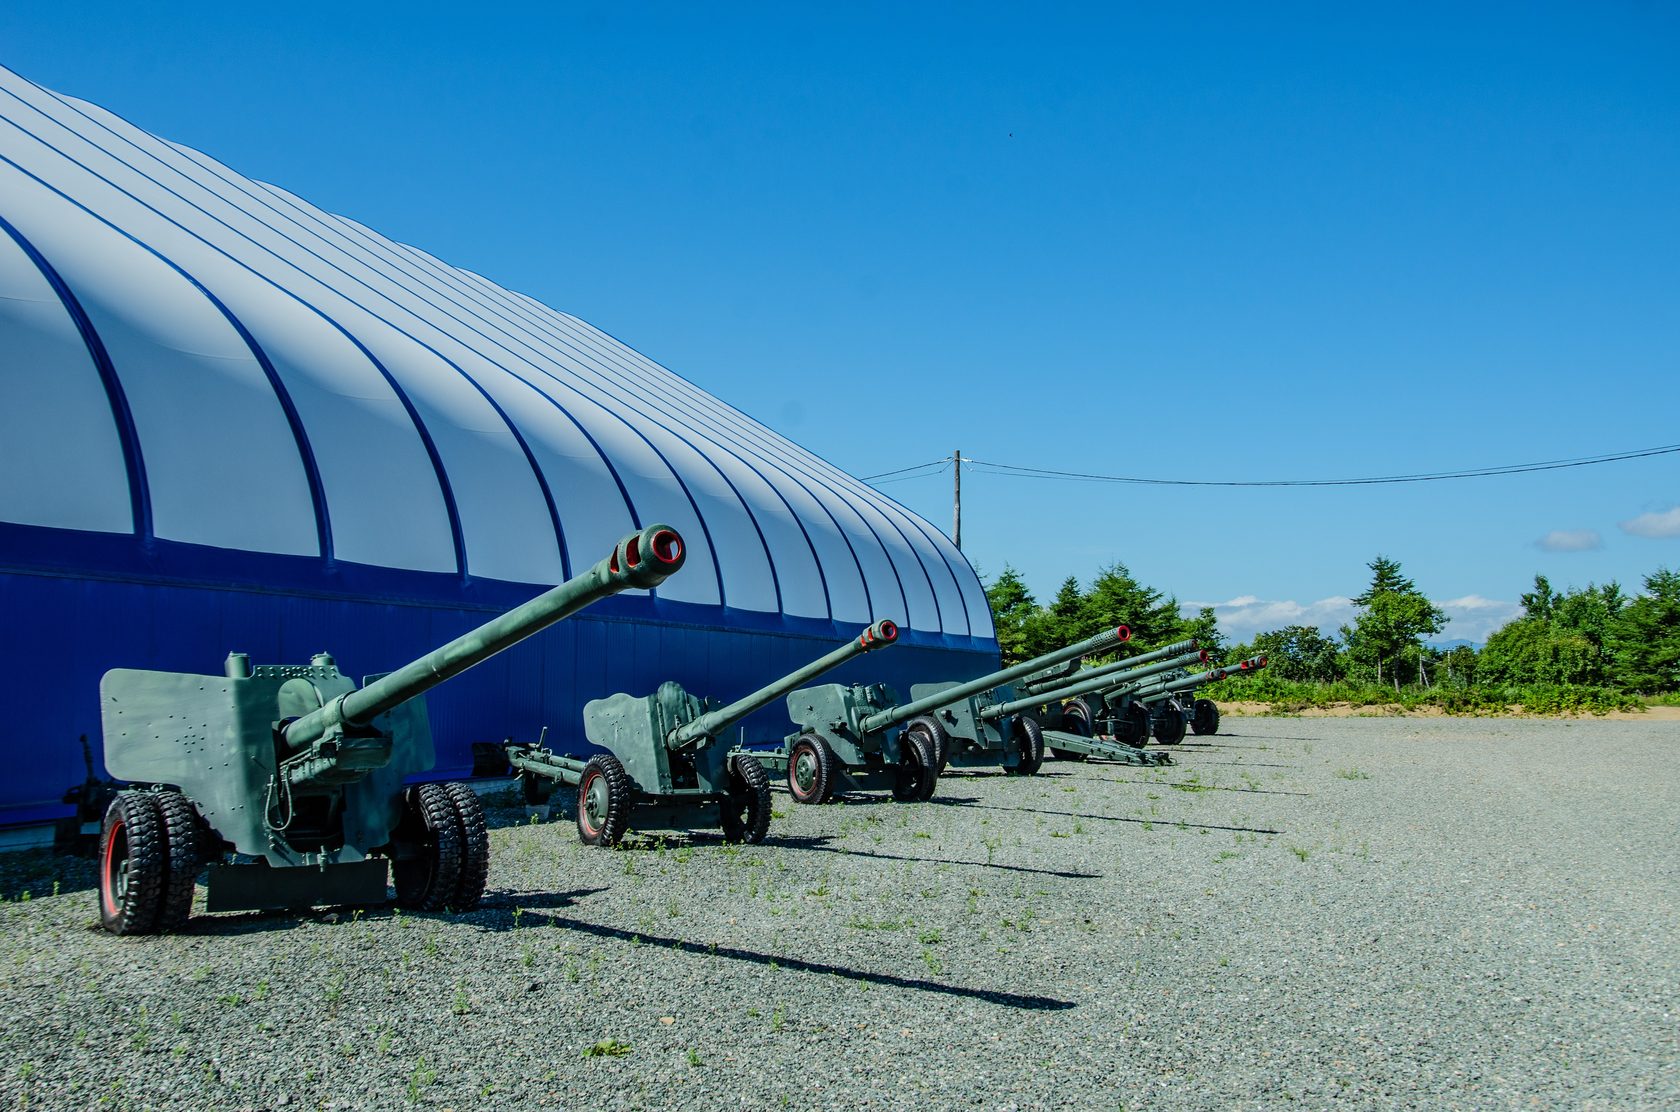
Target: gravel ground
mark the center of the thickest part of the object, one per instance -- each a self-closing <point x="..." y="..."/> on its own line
<point x="1435" y="913"/>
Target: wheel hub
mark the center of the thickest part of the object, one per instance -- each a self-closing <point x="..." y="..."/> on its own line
<point x="595" y="802"/>
<point x="805" y="771"/>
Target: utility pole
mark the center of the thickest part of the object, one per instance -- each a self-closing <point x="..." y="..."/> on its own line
<point x="956" y="510"/>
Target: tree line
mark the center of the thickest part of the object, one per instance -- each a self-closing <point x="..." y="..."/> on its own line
<point x="1593" y="647"/>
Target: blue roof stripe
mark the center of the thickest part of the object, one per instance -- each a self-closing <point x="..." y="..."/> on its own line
<point x="139" y="494"/>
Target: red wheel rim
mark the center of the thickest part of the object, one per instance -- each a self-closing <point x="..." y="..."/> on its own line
<point x="583" y="804"/>
<point x="107" y="876"/>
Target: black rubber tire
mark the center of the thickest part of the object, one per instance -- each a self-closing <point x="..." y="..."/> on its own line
<point x="427" y="868"/>
<point x="810" y="753"/>
<point x="918" y="774"/>
<point x="746" y="813"/>
<point x="132" y="861"/>
<point x="1132" y="726"/>
<point x="1168" y="725"/>
<point x="183" y="858"/>
<point x="1076" y="720"/>
<point x="475" y="847"/>
<point x="939" y="739"/>
<point x="1029" y="744"/>
<point x="1204" y="717"/>
<point x="604" y="823"/>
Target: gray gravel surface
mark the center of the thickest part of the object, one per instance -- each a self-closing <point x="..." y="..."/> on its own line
<point x="1431" y="913"/>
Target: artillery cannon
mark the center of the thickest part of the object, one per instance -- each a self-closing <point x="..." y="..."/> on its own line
<point x="861" y="737"/>
<point x="1070" y="728"/>
<point x="295" y="766"/>
<point x="664" y="763"/>
<point x="1088" y="689"/>
<point x="1173" y="707"/>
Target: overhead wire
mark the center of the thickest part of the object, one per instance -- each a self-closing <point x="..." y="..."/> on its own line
<point x="902" y="470"/>
<point x="1422" y="477"/>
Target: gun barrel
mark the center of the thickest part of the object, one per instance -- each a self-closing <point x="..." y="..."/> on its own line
<point x="641" y="560"/>
<point x="1086" y="686"/>
<point x="1156" y="691"/>
<point x="880" y="720"/>
<point x="1155" y="694"/>
<point x="1177" y="648"/>
<point x="877" y="636"/>
<point x="1118" y="674"/>
<point x="1109" y="684"/>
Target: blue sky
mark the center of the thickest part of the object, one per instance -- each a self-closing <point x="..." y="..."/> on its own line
<point x="1310" y="243"/>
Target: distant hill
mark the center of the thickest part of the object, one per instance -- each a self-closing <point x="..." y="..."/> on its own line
<point x="1455" y="643"/>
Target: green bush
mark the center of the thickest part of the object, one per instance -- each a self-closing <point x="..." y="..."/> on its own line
<point x="1294" y="695"/>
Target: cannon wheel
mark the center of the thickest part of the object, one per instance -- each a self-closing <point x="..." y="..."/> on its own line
<point x="183" y="855"/>
<point x="475" y="847"/>
<point x="131" y="864"/>
<point x="938" y="738"/>
<point x="1029" y="743"/>
<point x="1076" y="719"/>
<point x="1204" y="718"/>
<point x="603" y="801"/>
<point x="1168" y="725"/>
<point x="811" y="769"/>
<point x="746" y="812"/>
<point x="917" y="772"/>
<point x="1133" y="725"/>
<point x="428" y="844"/>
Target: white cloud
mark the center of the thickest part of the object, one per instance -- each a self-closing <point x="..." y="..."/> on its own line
<point x="1472" y="617"/>
<point x="1664" y="523"/>
<point x="1244" y="616"/>
<point x="1571" y="540"/>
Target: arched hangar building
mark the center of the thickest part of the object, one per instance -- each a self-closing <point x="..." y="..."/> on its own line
<point x="232" y="421"/>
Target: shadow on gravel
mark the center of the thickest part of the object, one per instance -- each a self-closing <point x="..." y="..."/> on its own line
<point x="1239" y="763"/>
<point x="1164" y="822"/>
<point x="781" y="961"/>
<point x="820" y="844"/>
<point x="1187" y="786"/>
<point x="878" y="800"/>
<point x="1256" y="737"/>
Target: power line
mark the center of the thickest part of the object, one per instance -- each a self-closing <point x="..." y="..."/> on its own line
<point x="1425" y="477"/>
<point x="920" y="475"/>
<point x="902" y="470"/>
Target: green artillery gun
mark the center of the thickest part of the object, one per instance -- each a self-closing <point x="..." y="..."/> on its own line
<point x="665" y="764"/>
<point x="1173" y="706"/>
<point x="294" y="766"/>
<point x="860" y="737"/>
<point x="1068" y="726"/>
<point x="1116" y="712"/>
<point x="1079" y="713"/>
